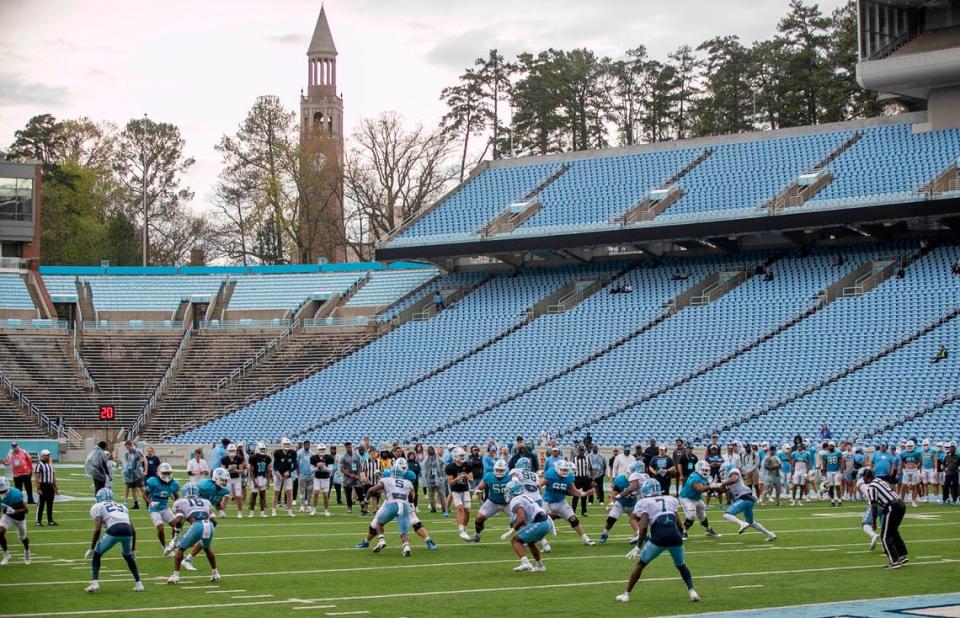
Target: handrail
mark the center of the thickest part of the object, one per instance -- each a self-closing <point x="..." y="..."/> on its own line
<point x="80" y="363"/>
<point x="24" y="402"/>
<point x="168" y="374"/>
<point x="254" y="360"/>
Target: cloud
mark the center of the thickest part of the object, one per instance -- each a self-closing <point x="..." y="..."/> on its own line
<point x="95" y="73"/>
<point x="287" y="38"/>
<point x="79" y="48"/>
<point x="14" y="90"/>
<point x="460" y="51"/>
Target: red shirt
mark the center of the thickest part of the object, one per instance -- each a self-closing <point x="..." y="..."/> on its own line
<point x="19" y="461"/>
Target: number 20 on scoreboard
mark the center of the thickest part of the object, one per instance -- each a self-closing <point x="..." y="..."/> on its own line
<point x="107" y="413"/>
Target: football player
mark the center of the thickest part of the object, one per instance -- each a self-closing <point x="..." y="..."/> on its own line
<point x="392" y="483"/>
<point x="158" y="490"/>
<point x="800" y="458"/>
<point x="322" y="464"/>
<point x="928" y="471"/>
<point x="215" y="491"/>
<point x="621" y="502"/>
<point x="530" y="486"/>
<point x="658" y="513"/>
<point x="197" y="512"/>
<point x="259" y="466"/>
<point x="691" y="498"/>
<point x="529" y="524"/>
<point x="14" y="516"/>
<point x="495" y="484"/>
<point x="831" y="462"/>
<point x="459" y="476"/>
<point x="557" y="483"/>
<point x="236" y="465"/>
<point x="910" y="458"/>
<point x="115" y="519"/>
<point x="284" y="466"/>
<point x="741" y="502"/>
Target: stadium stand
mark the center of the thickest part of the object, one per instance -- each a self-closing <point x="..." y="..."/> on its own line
<point x="385" y="287"/>
<point x="14" y="293"/>
<point x="288" y="291"/>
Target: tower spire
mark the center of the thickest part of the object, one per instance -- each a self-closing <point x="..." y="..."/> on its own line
<point x="322" y="41"/>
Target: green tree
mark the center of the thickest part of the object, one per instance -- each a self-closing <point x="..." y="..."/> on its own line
<point x="493" y="77"/>
<point x="807" y="76"/>
<point x="623" y="85"/>
<point x="466" y="114"/>
<point x="845" y="98"/>
<point x="727" y="97"/>
<point x="538" y="125"/>
<point x="685" y="68"/>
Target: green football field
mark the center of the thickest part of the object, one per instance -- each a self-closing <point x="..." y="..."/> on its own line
<point x="308" y="566"/>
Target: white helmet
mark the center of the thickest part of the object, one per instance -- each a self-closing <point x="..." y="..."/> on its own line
<point x="221" y="477"/>
<point x="702" y="468"/>
<point x="400" y="467"/>
<point x="285" y="443"/>
<point x="926" y="442"/>
<point x="765" y="445"/>
<point x="232" y="448"/>
<point x="321" y="448"/>
<point x="806" y="441"/>
<point x="500" y="468"/>
<point x="4" y="486"/>
<point x="261" y="448"/>
<point x="786" y="446"/>
<point x="165" y="472"/>
<point x="459" y="455"/>
<point x="831" y="444"/>
<point x="911" y="445"/>
<point x="730" y="472"/>
<point x="564" y="467"/>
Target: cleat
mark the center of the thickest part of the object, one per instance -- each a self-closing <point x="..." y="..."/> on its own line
<point x="684" y="535"/>
<point x="623" y="598"/>
<point x="466" y="537"/>
<point x="588" y="541"/>
<point x="873" y="541"/>
<point x="771" y="538"/>
<point x="250" y="516"/>
<point x="26" y="556"/>
<point x="545" y="548"/>
<point x="240" y="515"/>
<point x="446" y="514"/>
<point x="694" y="596"/>
<point x="263" y="515"/>
<point x="711" y="532"/>
<point x="326" y="513"/>
<point x="525" y="566"/>
<point x="895" y="565"/>
<point x="405" y="551"/>
<point x="381" y="545"/>
<point x="743" y="528"/>
<point x="93" y="587"/>
<point x="188" y="565"/>
<point x="222" y="514"/>
<point x="215" y="577"/>
<point x="604" y="537"/>
<point x="539" y="568"/>
<point x="138" y="587"/>
<point x="302" y="508"/>
<point x="431" y="545"/>
<point x="174" y="579"/>
<point x="475" y="538"/>
<point x="363" y="545"/>
<point x="290" y="513"/>
<point x="273" y="512"/>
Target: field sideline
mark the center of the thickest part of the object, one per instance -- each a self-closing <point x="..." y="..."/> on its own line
<point x="309" y="565"/>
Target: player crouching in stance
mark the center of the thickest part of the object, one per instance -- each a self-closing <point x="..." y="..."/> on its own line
<point x="622" y="502"/>
<point x="197" y="512"/>
<point x="557" y="483"/>
<point x="495" y="484"/>
<point x="741" y="502"/>
<point x="14" y="514"/>
<point x="119" y="529"/>
<point x="158" y="490"/>
<point x="396" y="484"/>
<point x="691" y="499"/>
<point x="659" y="514"/>
<point x="215" y="491"/>
<point x="529" y="524"/>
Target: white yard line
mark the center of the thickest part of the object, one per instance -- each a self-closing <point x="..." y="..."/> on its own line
<point x="746" y="586"/>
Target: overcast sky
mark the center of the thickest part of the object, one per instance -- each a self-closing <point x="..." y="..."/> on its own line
<point x="199" y="64"/>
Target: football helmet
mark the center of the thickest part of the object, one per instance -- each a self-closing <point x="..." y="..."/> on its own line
<point x="261" y="448"/>
<point x="232" y="448"/>
<point x="564" y="467"/>
<point x="911" y="445"/>
<point x="165" y="472"/>
<point x="4" y="486"/>
<point x="285" y="443"/>
<point x="105" y="495"/>
<point x="221" y="477"/>
<point x="831" y="444"/>
<point x="400" y="468"/>
<point x="189" y="490"/>
<point x="500" y="468"/>
<point x="650" y="488"/>
<point x="459" y="455"/>
<point x="513" y="488"/>
<point x="702" y="468"/>
<point x="321" y="448"/>
<point x="637" y="466"/>
<point x="523" y="464"/>
<point x="926" y="442"/>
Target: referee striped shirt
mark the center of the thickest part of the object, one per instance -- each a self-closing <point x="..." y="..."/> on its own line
<point x="44" y="472"/>
<point x="583" y="466"/>
<point x="881" y="494"/>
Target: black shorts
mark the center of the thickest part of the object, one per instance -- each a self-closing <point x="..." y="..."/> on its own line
<point x="137" y="484"/>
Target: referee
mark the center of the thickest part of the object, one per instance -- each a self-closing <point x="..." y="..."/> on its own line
<point x="883" y="500"/>
<point x="47" y="486"/>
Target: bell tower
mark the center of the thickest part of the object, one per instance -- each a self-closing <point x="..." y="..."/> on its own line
<point x="321" y="109"/>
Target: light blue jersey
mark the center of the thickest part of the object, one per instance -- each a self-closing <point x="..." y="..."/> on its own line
<point x="928" y="458"/>
<point x="688" y="492"/>
<point x="409" y="475"/>
<point x="209" y="490"/>
<point x="13" y="500"/>
<point x="784" y="458"/>
<point x="882" y="463"/>
<point x="628" y="500"/>
<point x="911" y="458"/>
<point x="831" y="461"/>
<point x="160" y="492"/>
<point x="495" y="488"/>
<point x="557" y="486"/>
<point x="304" y="467"/>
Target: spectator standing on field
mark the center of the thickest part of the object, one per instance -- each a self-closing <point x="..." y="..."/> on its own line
<point x="19" y="462"/>
<point x="197" y="468"/>
<point x="598" y="465"/>
<point x="153" y="462"/>
<point x="435" y="480"/>
<point x="950" y="464"/>
<point x="134" y="469"/>
<point x="350" y="470"/>
<point x="97" y="466"/>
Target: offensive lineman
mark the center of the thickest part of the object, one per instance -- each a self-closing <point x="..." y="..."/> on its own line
<point x="494" y="483"/>
<point x="14" y="515"/>
<point x="691" y="499"/>
<point x="529" y="524"/>
<point x="831" y="461"/>
<point x="119" y="529"/>
<point x="659" y="513"/>
<point x="557" y="483"/>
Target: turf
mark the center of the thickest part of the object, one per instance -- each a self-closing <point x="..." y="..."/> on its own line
<point x="308" y="566"/>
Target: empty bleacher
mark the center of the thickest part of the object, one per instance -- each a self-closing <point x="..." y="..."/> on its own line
<point x="14" y="293"/>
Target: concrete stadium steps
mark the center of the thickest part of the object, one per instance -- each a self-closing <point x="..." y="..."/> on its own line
<point x="14" y="423"/>
<point x="127" y="365"/>
<point x="42" y="366"/>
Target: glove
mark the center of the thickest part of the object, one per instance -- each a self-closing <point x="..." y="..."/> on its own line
<point x="506" y="535"/>
<point x="154" y="505"/>
<point x="633" y="553"/>
<point x="9" y="510"/>
<point x="87" y="554"/>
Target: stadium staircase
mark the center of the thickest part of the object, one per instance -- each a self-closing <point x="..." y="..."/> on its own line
<point x="513" y="216"/>
<point x="819" y="385"/>
<point x="222" y="300"/>
<point x="656" y="202"/>
<point x="946" y="181"/>
<point x="39" y="295"/>
<point x="85" y="299"/>
<point x="819" y="177"/>
<point x="703" y="292"/>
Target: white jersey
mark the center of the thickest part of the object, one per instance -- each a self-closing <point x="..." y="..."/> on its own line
<point x="737" y="488"/>
<point x="638" y="478"/>
<point x="111" y="513"/>
<point x="529" y="505"/>
<point x="862" y="489"/>
<point x="657" y="507"/>
<point x="193" y="507"/>
<point x="396" y="489"/>
<point x="530" y="481"/>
